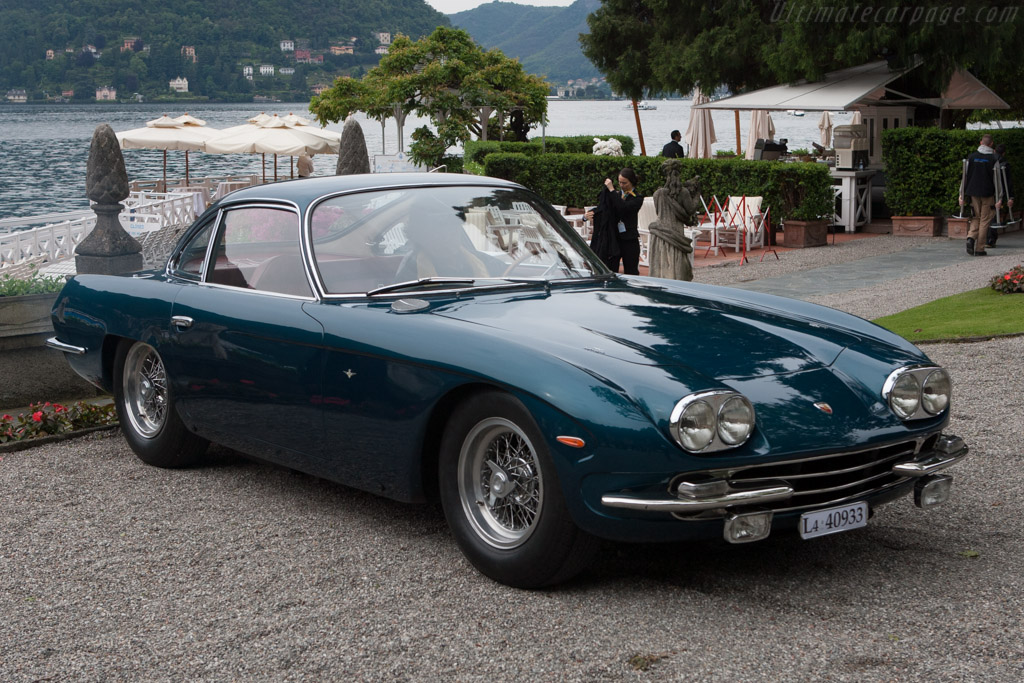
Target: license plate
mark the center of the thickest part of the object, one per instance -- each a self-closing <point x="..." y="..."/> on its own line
<point x="833" y="520"/>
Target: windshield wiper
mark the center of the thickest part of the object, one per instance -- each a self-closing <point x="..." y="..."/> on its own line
<point x="412" y="284"/>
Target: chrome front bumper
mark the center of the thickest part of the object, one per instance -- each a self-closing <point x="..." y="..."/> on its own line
<point x="721" y="494"/>
<point x="57" y="344"/>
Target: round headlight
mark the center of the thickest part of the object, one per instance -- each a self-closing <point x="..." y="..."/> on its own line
<point x="735" y="420"/>
<point x="935" y="391"/>
<point x="905" y="396"/>
<point x="696" y="426"/>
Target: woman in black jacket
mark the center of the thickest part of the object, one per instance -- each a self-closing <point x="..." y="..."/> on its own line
<point x="615" y="224"/>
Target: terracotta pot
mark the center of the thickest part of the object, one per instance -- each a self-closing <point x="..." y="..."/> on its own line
<point x="801" y="234"/>
<point x="956" y="228"/>
<point x="916" y="226"/>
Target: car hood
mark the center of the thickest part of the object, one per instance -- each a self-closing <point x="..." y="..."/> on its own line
<point x="718" y="332"/>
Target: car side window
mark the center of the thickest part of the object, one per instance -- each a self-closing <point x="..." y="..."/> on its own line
<point x="258" y="248"/>
<point x="192" y="259"/>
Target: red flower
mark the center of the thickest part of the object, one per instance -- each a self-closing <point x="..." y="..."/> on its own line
<point x="37" y="416"/>
<point x="58" y="408"/>
<point x="1007" y="276"/>
<point x="7" y="418"/>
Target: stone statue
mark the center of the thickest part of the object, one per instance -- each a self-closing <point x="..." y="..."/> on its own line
<point x="677" y="205"/>
<point x="352" y="155"/>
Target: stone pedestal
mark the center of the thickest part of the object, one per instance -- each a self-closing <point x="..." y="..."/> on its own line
<point x="802" y="234"/>
<point x="916" y="226"/>
<point x="956" y="228"/>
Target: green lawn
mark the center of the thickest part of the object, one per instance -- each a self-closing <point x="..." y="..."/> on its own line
<point x="978" y="313"/>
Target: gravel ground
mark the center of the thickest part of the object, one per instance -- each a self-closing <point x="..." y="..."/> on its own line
<point x="238" y="570"/>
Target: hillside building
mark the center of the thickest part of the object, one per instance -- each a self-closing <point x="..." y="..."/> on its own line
<point x="266" y="69"/>
<point x="49" y="55"/>
<point x="286" y="70"/>
<point x="189" y="52"/>
<point x="342" y="49"/>
<point x="383" y="37"/>
<point x="179" y="84"/>
<point x="17" y="95"/>
<point x="106" y="94"/>
<point x="287" y="46"/>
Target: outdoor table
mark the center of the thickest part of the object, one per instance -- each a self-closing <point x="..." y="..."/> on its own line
<point x="853" y="194"/>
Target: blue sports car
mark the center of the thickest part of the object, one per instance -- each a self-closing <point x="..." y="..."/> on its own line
<point x="447" y="336"/>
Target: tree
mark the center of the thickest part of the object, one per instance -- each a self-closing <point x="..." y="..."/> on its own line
<point x="445" y="77"/>
<point x="664" y="46"/>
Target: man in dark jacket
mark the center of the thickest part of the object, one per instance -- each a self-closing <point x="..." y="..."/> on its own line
<point x="673" y="150"/>
<point x="979" y="185"/>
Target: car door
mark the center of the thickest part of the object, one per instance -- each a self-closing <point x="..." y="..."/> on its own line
<point x="248" y="359"/>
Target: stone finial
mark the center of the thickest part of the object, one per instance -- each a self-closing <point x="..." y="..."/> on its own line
<point x="106" y="180"/>
<point x="352" y="155"/>
<point x="108" y="249"/>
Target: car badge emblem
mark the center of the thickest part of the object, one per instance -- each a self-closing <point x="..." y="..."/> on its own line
<point x="823" y="407"/>
<point x="348" y="373"/>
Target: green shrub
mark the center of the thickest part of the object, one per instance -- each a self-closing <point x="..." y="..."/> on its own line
<point x="802" y="191"/>
<point x="48" y="419"/>
<point x="34" y="284"/>
<point x="477" y="150"/>
<point x="923" y="166"/>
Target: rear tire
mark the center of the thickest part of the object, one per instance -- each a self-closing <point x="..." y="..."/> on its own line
<point x="502" y="498"/>
<point x="145" y="409"/>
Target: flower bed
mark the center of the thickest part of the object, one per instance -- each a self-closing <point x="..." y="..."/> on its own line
<point x="55" y="419"/>
<point x="1011" y="282"/>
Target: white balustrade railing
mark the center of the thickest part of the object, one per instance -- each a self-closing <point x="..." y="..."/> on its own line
<point x="147" y="216"/>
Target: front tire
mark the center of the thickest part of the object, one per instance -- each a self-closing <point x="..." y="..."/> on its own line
<point x="145" y="409"/>
<point x="502" y="498"/>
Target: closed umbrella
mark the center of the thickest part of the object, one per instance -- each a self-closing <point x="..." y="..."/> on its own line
<point x="825" y="126"/>
<point x="761" y="128"/>
<point x="166" y="133"/>
<point x="700" y="132"/>
<point x="857" y="118"/>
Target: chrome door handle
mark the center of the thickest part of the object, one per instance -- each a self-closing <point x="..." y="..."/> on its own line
<point x="182" y="322"/>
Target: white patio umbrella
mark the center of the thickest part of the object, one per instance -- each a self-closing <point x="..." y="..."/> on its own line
<point x="306" y="126"/>
<point x="700" y="132"/>
<point x="761" y="128"/>
<point x="164" y="134"/>
<point x="268" y="139"/>
<point x="825" y="126"/>
<point x="857" y="118"/>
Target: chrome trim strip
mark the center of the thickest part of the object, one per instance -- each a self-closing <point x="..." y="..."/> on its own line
<point x="57" y="344"/>
<point x="833" y="489"/>
<point x="828" y="473"/>
<point x="734" y="497"/>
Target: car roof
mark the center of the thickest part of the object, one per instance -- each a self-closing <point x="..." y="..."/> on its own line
<point x="305" y="190"/>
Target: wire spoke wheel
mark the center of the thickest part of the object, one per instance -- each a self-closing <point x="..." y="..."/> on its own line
<point x="500" y="483"/>
<point x="144" y="386"/>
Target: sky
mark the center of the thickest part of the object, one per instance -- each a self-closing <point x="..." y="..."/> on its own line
<point x="453" y="6"/>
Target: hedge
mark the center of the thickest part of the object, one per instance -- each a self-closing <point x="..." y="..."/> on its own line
<point x="582" y="144"/>
<point x="477" y="150"/>
<point x="792" y="190"/>
<point x="923" y="166"/>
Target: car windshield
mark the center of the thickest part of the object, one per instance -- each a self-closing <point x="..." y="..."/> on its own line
<point x="480" y="236"/>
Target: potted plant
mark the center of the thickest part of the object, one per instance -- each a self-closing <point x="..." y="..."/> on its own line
<point x="808" y="212"/>
<point x="25" y="305"/>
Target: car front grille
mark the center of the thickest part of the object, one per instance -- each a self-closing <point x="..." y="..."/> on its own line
<point x="832" y="479"/>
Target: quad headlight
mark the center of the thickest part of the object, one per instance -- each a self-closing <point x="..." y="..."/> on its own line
<point x="712" y="421"/>
<point x="918" y="391"/>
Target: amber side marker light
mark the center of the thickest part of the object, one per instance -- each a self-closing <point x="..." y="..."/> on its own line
<point x="573" y="441"/>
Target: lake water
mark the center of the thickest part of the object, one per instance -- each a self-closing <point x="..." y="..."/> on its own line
<point x="44" y="149"/>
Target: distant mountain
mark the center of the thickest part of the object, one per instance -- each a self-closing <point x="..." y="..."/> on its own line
<point x="137" y="46"/>
<point x="544" y="39"/>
